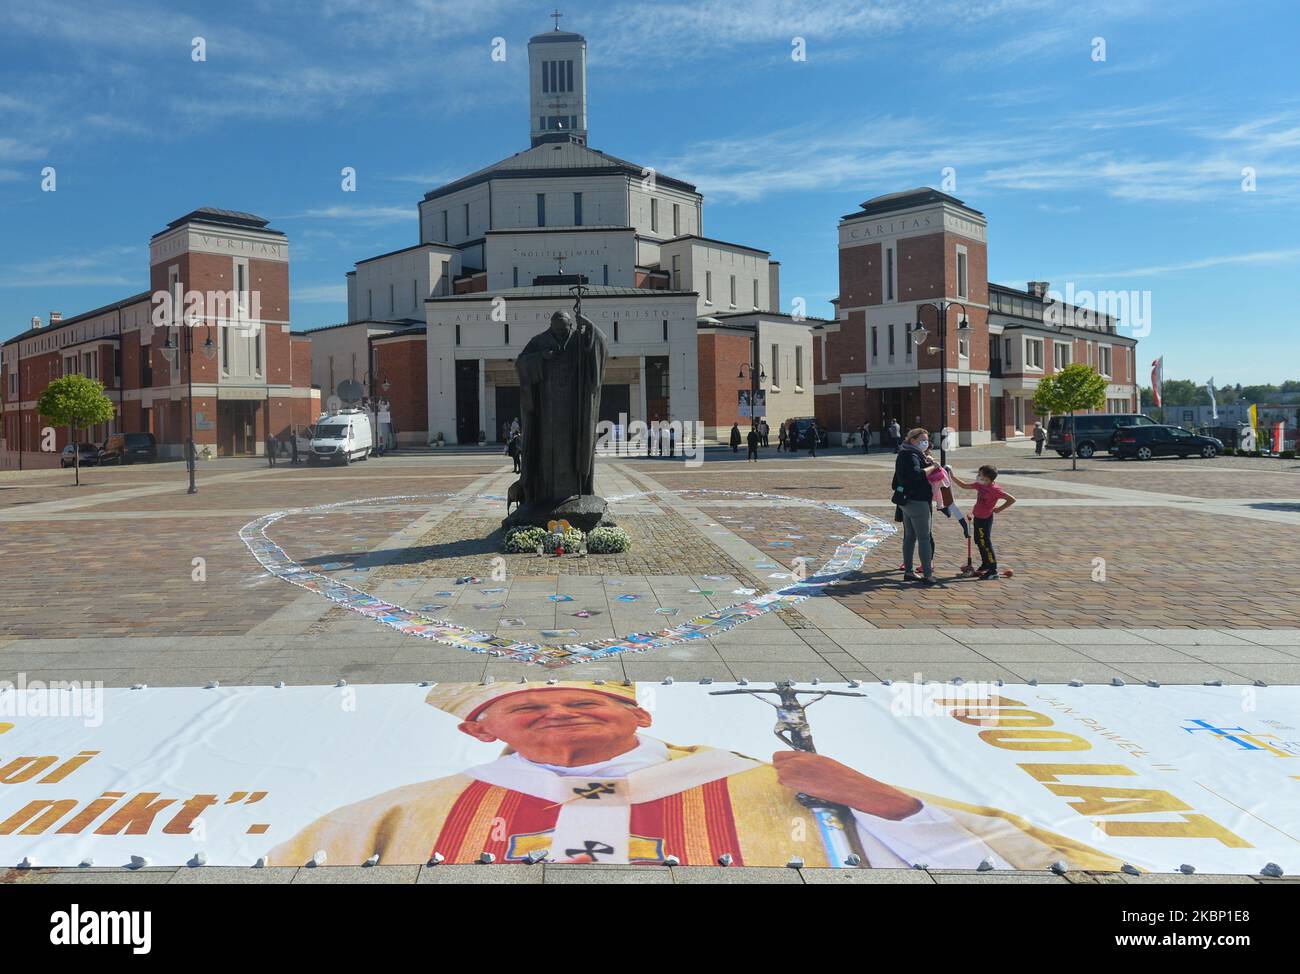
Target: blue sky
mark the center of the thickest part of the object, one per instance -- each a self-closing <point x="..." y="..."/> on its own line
<point x="1122" y="174"/>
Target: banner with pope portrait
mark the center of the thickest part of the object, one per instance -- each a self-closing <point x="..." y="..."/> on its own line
<point x="838" y="776"/>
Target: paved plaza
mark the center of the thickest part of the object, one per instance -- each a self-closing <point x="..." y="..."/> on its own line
<point x="1174" y="572"/>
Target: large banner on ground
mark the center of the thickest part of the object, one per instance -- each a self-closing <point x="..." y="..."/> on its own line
<point x="843" y="776"/>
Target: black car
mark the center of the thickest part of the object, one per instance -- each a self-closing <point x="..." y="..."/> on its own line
<point x="1145" y="442"/>
<point x="1094" y="431"/>
<point x="89" y="455"/>
<point x="122" y="448"/>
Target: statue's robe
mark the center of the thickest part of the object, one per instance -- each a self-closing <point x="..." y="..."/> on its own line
<point x="559" y="403"/>
<point x="697" y="805"/>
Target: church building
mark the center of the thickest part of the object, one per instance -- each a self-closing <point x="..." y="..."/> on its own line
<point x="434" y="328"/>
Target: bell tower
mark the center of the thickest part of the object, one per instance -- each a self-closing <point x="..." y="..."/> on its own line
<point x="557" y="76"/>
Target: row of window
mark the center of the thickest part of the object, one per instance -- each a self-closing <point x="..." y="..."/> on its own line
<point x="1034" y="349"/>
<point x="505" y="332"/>
<point x="889" y="270"/>
<point x="557" y="76"/>
<point x="708" y="285"/>
<point x="776" y="367"/>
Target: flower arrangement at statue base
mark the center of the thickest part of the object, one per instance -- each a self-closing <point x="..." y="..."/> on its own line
<point x="566" y="540"/>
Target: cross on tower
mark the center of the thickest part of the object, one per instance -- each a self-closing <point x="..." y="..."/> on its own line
<point x="557" y="15"/>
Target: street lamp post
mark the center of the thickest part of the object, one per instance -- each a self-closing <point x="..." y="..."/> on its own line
<point x="919" y="335"/>
<point x="169" y="351"/>
<point x="756" y="375"/>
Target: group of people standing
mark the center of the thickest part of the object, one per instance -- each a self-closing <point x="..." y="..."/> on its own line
<point x="919" y="481"/>
<point x="787" y="438"/>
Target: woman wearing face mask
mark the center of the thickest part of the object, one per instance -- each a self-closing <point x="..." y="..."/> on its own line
<point x="913" y="494"/>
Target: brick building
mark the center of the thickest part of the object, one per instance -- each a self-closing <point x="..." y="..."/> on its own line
<point x="227" y="275"/>
<point x="903" y="257"/>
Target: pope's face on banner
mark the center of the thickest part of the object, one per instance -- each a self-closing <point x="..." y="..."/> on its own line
<point x="561" y="726"/>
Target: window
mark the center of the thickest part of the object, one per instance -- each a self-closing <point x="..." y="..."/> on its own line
<point x="677" y="272"/>
<point x="654" y="215"/>
<point x="961" y="273"/>
<point x="505" y="333"/>
<point x="889" y="276"/>
<point x="1007" y="343"/>
<point x="604" y="273"/>
<point x="615" y="331"/>
<point x="875" y="343"/>
<point x="1060" y="355"/>
<point x="755" y="294"/>
<point x="577" y="209"/>
<point x="1103" y="353"/>
<point x="458" y="334"/>
<point x="445" y="284"/>
<point x="392" y="301"/>
<point x="665" y="329"/>
<point x="515" y="276"/>
<point x="677" y="220"/>
<point x="241" y="287"/>
<point x="257" y="351"/>
<point x="891" y="343"/>
<point x="907" y="340"/>
<point x="541" y="209"/>
<point x="963" y="345"/>
<point x="776" y="365"/>
<point x="466" y="215"/>
<point x="1033" y="353"/>
<point x="708" y="287"/>
<point x="415" y="295"/>
<point x="225" y="346"/>
<point x="370" y="303"/>
<point x="798" y="366"/>
<point x="733" y="290"/>
<point x="444" y="226"/>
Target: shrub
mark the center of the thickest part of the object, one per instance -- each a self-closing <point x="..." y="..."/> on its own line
<point x="608" y="541"/>
<point x="526" y="539"/>
<point x="522" y="540"/>
<point x="1287" y="454"/>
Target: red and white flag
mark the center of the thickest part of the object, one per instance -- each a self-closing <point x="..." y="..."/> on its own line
<point x="1157" y="379"/>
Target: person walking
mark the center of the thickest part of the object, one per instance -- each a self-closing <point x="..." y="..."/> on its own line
<point x="913" y="495"/>
<point x="780" y="439"/>
<point x="763" y="430"/>
<point x="512" y="448"/>
<point x="752" y="440"/>
<point x="812" y="438"/>
<point x="1040" y="436"/>
<point x="293" y="446"/>
<point x="735" y="437"/>
<point x="272" y="445"/>
<point x="866" y="436"/>
<point x="895" y="434"/>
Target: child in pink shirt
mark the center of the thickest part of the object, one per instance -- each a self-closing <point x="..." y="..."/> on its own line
<point x="986" y="505"/>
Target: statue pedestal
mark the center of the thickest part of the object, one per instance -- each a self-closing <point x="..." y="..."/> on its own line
<point x="582" y="511"/>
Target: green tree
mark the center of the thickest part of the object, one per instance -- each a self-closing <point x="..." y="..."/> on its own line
<point x="76" y="402"/>
<point x="1075" y="387"/>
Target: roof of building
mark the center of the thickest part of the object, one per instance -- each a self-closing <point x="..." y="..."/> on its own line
<point x="402" y="250"/>
<point x="768" y="314"/>
<point x="47" y="329"/>
<point x="214" y="216"/>
<point x="556" y="36"/>
<point x="906" y="200"/>
<point x="556" y="159"/>
<point x="394" y="323"/>
<point x="714" y="240"/>
<point x="561" y="291"/>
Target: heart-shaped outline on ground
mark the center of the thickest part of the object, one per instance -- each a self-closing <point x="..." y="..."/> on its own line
<point x="849" y="556"/>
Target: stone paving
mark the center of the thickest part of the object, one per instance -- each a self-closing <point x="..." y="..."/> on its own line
<point x="1200" y="560"/>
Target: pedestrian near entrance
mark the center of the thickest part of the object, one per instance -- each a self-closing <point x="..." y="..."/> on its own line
<point x="866" y="436"/>
<point x="813" y="435"/>
<point x="913" y="495"/>
<point x="735" y="437"/>
<point x="1040" y="435"/>
<point x="272" y="445"/>
<point x="895" y="432"/>
<point x="753" y="445"/>
<point x="763" y="430"/>
<point x="987" y="505"/>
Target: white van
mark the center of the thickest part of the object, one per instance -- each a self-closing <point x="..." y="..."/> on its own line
<point x="341" y="437"/>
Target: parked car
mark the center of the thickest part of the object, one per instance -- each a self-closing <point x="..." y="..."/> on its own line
<point x="122" y="448"/>
<point x="89" y="455"/>
<point x="342" y="437"/>
<point x="1094" y="431"/>
<point x="1145" y="442"/>
<point x="801" y="432"/>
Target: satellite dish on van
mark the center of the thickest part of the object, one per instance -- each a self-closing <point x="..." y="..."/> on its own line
<point x="351" y="391"/>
